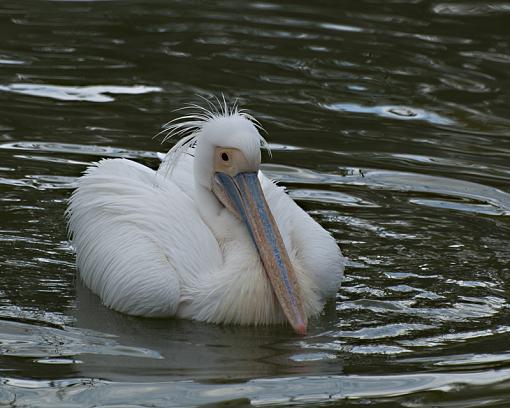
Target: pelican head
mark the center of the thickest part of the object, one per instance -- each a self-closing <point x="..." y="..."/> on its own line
<point x="227" y="162"/>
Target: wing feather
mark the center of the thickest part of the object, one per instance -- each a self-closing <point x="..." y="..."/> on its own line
<point x="138" y="237"/>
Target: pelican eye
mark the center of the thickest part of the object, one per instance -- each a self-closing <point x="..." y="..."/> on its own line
<point x="224" y="156"/>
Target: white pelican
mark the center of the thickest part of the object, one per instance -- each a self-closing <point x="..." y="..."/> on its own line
<point x="207" y="237"/>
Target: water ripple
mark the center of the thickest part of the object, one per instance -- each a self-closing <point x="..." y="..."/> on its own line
<point x="471" y="9"/>
<point x="27" y="340"/>
<point x="261" y="392"/>
<point x="90" y="149"/>
<point x="487" y="200"/>
<point x="96" y="93"/>
<point x="392" y="112"/>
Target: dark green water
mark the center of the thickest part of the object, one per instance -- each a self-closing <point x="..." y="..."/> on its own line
<point x="389" y="123"/>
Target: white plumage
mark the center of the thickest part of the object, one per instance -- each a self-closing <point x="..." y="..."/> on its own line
<point x="166" y="243"/>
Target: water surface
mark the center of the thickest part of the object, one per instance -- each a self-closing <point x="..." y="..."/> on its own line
<point x="389" y="123"/>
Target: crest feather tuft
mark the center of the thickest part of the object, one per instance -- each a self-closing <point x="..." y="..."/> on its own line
<point x="188" y="126"/>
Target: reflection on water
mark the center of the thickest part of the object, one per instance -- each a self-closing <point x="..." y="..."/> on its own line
<point x="388" y="123"/>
